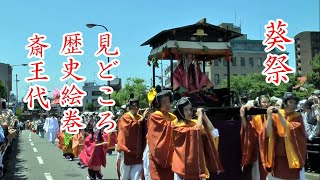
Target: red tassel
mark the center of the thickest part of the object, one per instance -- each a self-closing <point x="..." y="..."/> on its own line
<point x="228" y="56"/>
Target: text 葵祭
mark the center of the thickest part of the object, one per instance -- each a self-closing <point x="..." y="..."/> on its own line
<point x="276" y="67"/>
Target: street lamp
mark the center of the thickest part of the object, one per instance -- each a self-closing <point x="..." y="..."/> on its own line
<point x="19" y="65"/>
<point x="94" y="25"/>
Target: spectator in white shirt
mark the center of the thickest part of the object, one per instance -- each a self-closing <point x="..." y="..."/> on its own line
<point x="311" y="120"/>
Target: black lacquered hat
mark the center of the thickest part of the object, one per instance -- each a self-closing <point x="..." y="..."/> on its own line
<point x="133" y="102"/>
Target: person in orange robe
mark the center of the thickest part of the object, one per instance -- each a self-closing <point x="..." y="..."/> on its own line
<point x="77" y="143"/>
<point x="131" y="142"/>
<point x="283" y="141"/>
<point x="61" y="140"/>
<point x="159" y="138"/>
<point x="195" y="153"/>
<point x="251" y="128"/>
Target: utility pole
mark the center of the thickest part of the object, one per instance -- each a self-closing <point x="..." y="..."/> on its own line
<point x="17" y="90"/>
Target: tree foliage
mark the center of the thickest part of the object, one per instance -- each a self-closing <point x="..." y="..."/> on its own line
<point x="19" y="113"/>
<point x="90" y="107"/>
<point x="133" y="85"/>
<point x="313" y="77"/>
<point x="254" y="85"/>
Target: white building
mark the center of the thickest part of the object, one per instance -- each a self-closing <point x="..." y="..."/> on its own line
<point x="93" y="92"/>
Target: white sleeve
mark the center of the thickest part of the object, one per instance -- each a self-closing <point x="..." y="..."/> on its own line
<point x="215" y="133"/>
<point x="315" y="131"/>
<point x="56" y="124"/>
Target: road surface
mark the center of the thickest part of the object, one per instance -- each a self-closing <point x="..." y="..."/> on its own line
<point x="37" y="159"/>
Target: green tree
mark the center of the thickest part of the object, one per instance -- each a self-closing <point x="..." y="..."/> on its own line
<point x="313" y="77"/>
<point x="19" y="113"/>
<point x="3" y="91"/>
<point x="90" y="107"/>
<point x="254" y="85"/>
<point x="133" y="85"/>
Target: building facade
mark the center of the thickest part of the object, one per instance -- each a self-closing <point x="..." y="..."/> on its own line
<point x="6" y="77"/>
<point x="307" y="45"/>
<point x="93" y="92"/>
<point x="247" y="58"/>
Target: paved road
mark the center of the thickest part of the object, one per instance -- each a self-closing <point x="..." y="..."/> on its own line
<point x="38" y="159"/>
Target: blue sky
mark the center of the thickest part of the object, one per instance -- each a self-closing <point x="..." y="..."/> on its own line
<point x="131" y="23"/>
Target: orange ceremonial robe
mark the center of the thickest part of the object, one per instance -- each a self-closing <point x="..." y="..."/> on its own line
<point x="284" y="153"/>
<point x="195" y="153"/>
<point x="160" y="145"/>
<point x="250" y="143"/>
<point x="130" y="138"/>
<point x="77" y="144"/>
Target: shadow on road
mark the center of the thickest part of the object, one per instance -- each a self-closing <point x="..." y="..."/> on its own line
<point x="13" y="165"/>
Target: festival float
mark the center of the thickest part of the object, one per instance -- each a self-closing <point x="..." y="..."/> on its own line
<point x="203" y="43"/>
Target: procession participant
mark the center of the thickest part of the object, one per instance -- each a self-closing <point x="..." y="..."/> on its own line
<point x="94" y="152"/>
<point x="34" y="126"/>
<point x="30" y="125"/>
<point x="131" y="142"/>
<point x="21" y="124"/>
<point x="40" y="124"/>
<point x="195" y="153"/>
<point x="51" y="126"/>
<point x="61" y="140"/>
<point x="151" y="100"/>
<point x="283" y="141"/>
<point x="112" y="141"/>
<point x="67" y="146"/>
<point x="251" y="128"/>
<point x="77" y="142"/>
<point x="159" y="138"/>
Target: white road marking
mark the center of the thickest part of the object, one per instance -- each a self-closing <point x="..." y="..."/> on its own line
<point x="32" y="144"/>
<point x="35" y="150"/>
<point x="40" y="160"/>
<point x="30" y="140"/>
<point x="48" y="176"/>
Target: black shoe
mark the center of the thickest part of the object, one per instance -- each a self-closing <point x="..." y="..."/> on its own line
<point x="1" y="171"/>
<point x="92" y="174"/>
<point x="99" y="174"/>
